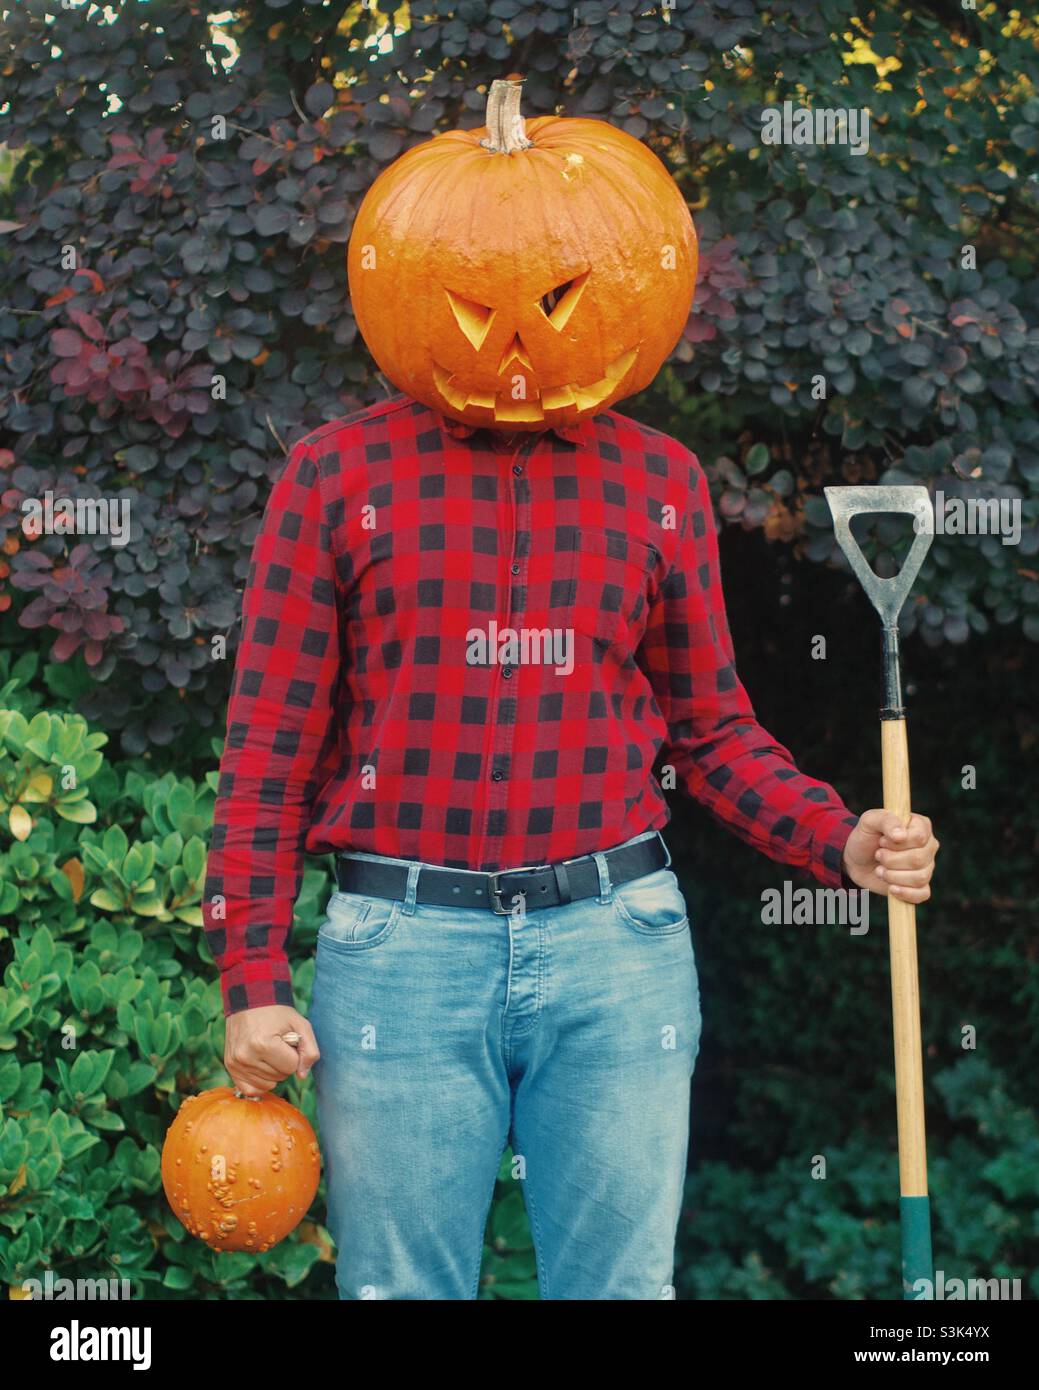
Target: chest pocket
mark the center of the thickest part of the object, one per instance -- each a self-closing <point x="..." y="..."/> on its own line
<point x="611" y="575"/>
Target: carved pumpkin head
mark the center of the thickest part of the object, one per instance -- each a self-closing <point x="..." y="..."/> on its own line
<point x="523" y="275"/>
<point x="239" y="1174"/>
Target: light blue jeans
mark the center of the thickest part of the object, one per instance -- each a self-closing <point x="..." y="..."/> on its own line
<point x="447" y="1033"/>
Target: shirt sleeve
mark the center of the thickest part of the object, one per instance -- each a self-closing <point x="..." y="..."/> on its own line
<point x="721" y="754"/>
<point x="279" y="728"/>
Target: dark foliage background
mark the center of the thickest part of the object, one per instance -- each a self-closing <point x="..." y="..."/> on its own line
<point x="175" y="199"/>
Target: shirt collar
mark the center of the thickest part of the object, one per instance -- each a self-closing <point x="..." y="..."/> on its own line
<point x="457" y="430"/>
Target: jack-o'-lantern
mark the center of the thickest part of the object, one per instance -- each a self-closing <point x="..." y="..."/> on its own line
<point x="523" y="275"/>
<point x="239" y="1173"/>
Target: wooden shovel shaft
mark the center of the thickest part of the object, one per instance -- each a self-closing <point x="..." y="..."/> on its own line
<point x="905" y="983"/>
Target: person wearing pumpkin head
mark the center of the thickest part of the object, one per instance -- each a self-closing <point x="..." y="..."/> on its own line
<point x="477" y="614"/>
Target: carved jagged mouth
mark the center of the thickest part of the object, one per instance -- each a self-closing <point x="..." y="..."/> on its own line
<point x="501" y="406"/>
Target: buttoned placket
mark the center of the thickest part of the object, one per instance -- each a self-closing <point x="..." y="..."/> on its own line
<point x="509" y="613"/>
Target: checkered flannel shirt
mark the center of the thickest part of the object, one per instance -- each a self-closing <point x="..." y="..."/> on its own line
<point x="359" y="721"/>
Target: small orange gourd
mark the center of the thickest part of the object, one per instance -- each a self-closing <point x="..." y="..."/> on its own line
<point x="239" y="1173"/>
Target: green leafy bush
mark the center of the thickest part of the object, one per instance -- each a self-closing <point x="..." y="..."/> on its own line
<point x="783" y="1235"/>
<point x="109" y="1015"/>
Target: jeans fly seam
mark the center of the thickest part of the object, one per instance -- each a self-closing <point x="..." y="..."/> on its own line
<point x="527" y="1025"/>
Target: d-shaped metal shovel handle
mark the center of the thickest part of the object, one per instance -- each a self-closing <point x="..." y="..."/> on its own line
<point x="886" y="595"/>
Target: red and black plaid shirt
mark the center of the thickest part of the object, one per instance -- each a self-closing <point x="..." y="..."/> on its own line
<point x="357" y="718"/>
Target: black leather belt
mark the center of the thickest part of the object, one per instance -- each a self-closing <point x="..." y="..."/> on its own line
<point x="551" y="885"/>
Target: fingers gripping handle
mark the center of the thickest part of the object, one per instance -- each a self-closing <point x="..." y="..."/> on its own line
<point x="293" y="1040"/>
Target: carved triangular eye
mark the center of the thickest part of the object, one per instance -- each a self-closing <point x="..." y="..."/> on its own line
<point x="550" y="300"/>
<point x="560" y="303"/>
<point x="473" y="319"/>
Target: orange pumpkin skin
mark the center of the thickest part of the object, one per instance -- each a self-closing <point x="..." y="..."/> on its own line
<point x="455" y="247"/>
<point x="239" y="1174"/>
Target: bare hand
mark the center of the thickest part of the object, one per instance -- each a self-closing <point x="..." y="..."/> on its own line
<point x="885" y="855"/>
<point x="255" y="1051"/>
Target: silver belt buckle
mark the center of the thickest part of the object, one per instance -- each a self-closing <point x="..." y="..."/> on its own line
<point x="497" y="906"/>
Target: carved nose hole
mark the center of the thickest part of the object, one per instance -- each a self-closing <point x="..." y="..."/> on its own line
<point x="516" y="352"/>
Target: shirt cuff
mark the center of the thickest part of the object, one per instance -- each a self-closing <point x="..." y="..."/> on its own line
<point x="255" y="984"/>
<point x="828" y="851"/>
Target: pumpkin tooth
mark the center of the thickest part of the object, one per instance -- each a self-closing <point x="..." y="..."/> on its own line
<point x="557" y="397"/>
<point x="619" y="368"/>
<point x="588" y="397"/>
<point x="519" y="412"/>
<point x="445" y="385"/>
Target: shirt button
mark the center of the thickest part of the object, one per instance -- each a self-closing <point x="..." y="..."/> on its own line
<point x="517" y="469"/>
<point x="515" y="569"/>
<point x="506" y="673"/>
<point x="497" y="775"/>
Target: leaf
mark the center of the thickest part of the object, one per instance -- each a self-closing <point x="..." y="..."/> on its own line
<point x="81" y="812"/>
<point x="105" y="900"/>
<point x="194" y="858"/>
<point x="116" y="845"/>
<point x="918" y="391"/>
<point x="731" y="504"/>
<point x="272" y="220"/>
<point x="310" y="1233"/>
<point x="73" y="871"/>
<point x="177" y="1277"/>
<point x="107" y="1120"/>
<point x="385" y="145"/>
<point x="147" y="905"/>
<point x="292" y="1261"/>
<point x="20" y="823"/>
<point x="509" y="1225"/>
<point x="817" y="512"/>
<point x="39" y="788"/>
<point x="757" y="459"/>
<point x="66" y="342"/>
<point x="319" y="98"/>
<point x="19" y="1180"/>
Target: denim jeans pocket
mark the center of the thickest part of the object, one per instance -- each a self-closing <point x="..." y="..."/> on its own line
<point x="356" y="923"/>
<point x="652" y="904"/>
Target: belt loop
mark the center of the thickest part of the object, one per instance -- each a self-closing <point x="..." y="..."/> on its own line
<point x="666" y="850"/>
<point x="562" y="883"/>
<point x="605" y="886"/>
<point x="412" y="889"/>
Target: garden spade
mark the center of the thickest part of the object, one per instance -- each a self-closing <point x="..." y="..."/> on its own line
<point x="887" y="597"/>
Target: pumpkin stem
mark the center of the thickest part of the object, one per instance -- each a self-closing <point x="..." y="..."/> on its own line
<point x="505" y="129"/>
